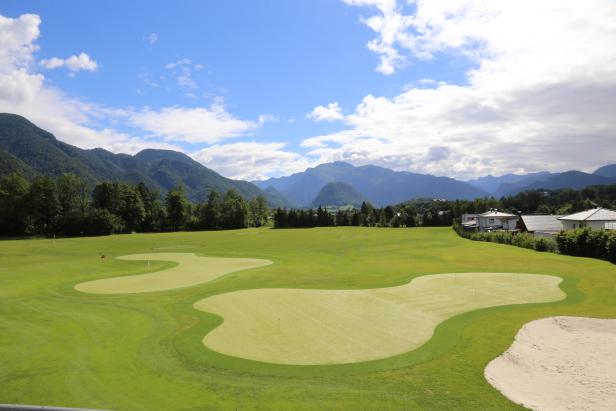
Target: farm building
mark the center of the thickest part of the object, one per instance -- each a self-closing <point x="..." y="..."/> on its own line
<point x="497" y="220"/>
<point x="540" y="225"/>
<point x="596" y="218"/>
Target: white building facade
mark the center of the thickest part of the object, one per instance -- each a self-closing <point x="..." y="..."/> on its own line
<point x="495" y="220"/>
<point x="596" y="218"/>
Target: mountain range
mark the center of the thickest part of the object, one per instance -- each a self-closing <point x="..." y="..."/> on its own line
<point x="32" y="151"/>
<point x="511" y="184"/>
<point x="380" y="186"/>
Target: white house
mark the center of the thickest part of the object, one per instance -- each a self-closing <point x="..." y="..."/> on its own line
<point x="596" y="218"/>
<point x="497" y="220"/>
<point x="470" y="221"/>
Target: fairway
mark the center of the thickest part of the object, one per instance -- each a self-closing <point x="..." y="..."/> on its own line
<point x="191" y="270"/>
<point x="357" y="294"/>
<point x="332" y="327"/>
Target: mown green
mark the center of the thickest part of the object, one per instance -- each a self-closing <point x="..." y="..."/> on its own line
<point x="144" y="352"/>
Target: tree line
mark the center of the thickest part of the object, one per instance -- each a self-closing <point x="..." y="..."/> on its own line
<point x="401" y="215"/>
<point x="68" y="206"/>
<point x="555" y="201"/>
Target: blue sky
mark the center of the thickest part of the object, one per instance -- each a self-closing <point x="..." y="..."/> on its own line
<point x="257" y="69"/>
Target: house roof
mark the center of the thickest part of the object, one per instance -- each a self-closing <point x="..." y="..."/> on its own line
<point x="594" y="214"/>
<point x="497" y="214"/>
<point x="542" y="223"/>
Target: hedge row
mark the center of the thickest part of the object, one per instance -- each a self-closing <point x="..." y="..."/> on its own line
<point x="523" y="240"/>
<point x="586" y="242"/>
<point x="583" y="242"/>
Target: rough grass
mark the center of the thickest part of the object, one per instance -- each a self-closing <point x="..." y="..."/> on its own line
<point x="59" y="346"/>
<point x="294" y="326"/>
<point x="190" y="270"/>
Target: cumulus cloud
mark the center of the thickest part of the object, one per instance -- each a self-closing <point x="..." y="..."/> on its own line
<point x="73" y="63"/>
<point x="330" y="113"/>
<point x="23" y="91"/>
<point x="193" y="125"/>
<point x="536" y="98"/>
<point x="391" y="25"/>
<point x="251" y="160"/>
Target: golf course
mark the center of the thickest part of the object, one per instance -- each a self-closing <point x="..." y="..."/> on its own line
<point x="331" y="318"/>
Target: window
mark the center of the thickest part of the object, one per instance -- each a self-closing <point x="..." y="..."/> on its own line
<point x="574" y="226"/>
<point x="491" y="221"/>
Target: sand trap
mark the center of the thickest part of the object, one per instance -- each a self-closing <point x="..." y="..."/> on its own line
<point x="292" y="326"/>
<point x="559" y="363"/>
<point x="191" y="270"/>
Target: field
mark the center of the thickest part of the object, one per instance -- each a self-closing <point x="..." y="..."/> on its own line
<point x="144" y="350"/>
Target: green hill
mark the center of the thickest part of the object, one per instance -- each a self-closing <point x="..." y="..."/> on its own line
<point x="338" y="194"/>
<point x="30" y="150"/>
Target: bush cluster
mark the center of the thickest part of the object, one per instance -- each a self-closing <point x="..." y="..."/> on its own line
<point x="523" y="240"/>
<point x="586" y="242"/>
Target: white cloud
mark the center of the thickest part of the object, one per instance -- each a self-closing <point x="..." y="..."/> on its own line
<point x="193" y="125"/>
<point x="251" y="160"/>
<point x="86" y="125"/>
<point x="24" y="92"/>
<point x="147" y="79"/>
<point x="330" y="113"/>
<point x="73" y="63"/>
<point x="268" y="118"/>
<point x="181" y="62"/>
<point x="182" y="71"/>
<point x="391" y="26"/>
<point x="152" y="38"/>
<point x="541" y="92"/>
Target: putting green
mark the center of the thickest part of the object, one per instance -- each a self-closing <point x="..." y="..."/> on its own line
<point x="295" y="326"/>
<point x="191" y="270"/>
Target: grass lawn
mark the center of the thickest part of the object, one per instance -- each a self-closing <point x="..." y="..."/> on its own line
<point x="144" y="351"/>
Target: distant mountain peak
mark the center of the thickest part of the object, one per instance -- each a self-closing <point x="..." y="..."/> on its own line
<point x="338" y="194"/>
<point x="379" y="185"/>
<point x="606" y="171"/>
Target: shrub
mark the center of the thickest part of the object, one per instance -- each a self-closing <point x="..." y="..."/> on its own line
<point x="610" y="246"/>
<point x="545" y="244"/>
<point x="583" y="242"/>
<point x="523" y="240"/>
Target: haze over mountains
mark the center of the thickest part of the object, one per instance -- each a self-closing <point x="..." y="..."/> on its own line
<point x="511" y="184"/>
<point x="31" y="151"/>
<point x="380" y="186"/>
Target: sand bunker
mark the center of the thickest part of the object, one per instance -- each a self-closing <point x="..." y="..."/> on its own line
<point x="191" y="270"/>
<point x="559" y="363"/>
<point x="292" y="326"/>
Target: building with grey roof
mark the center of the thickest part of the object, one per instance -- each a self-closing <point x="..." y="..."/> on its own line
<point x="595" y="218"/>
<point x="541" y="225"/>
